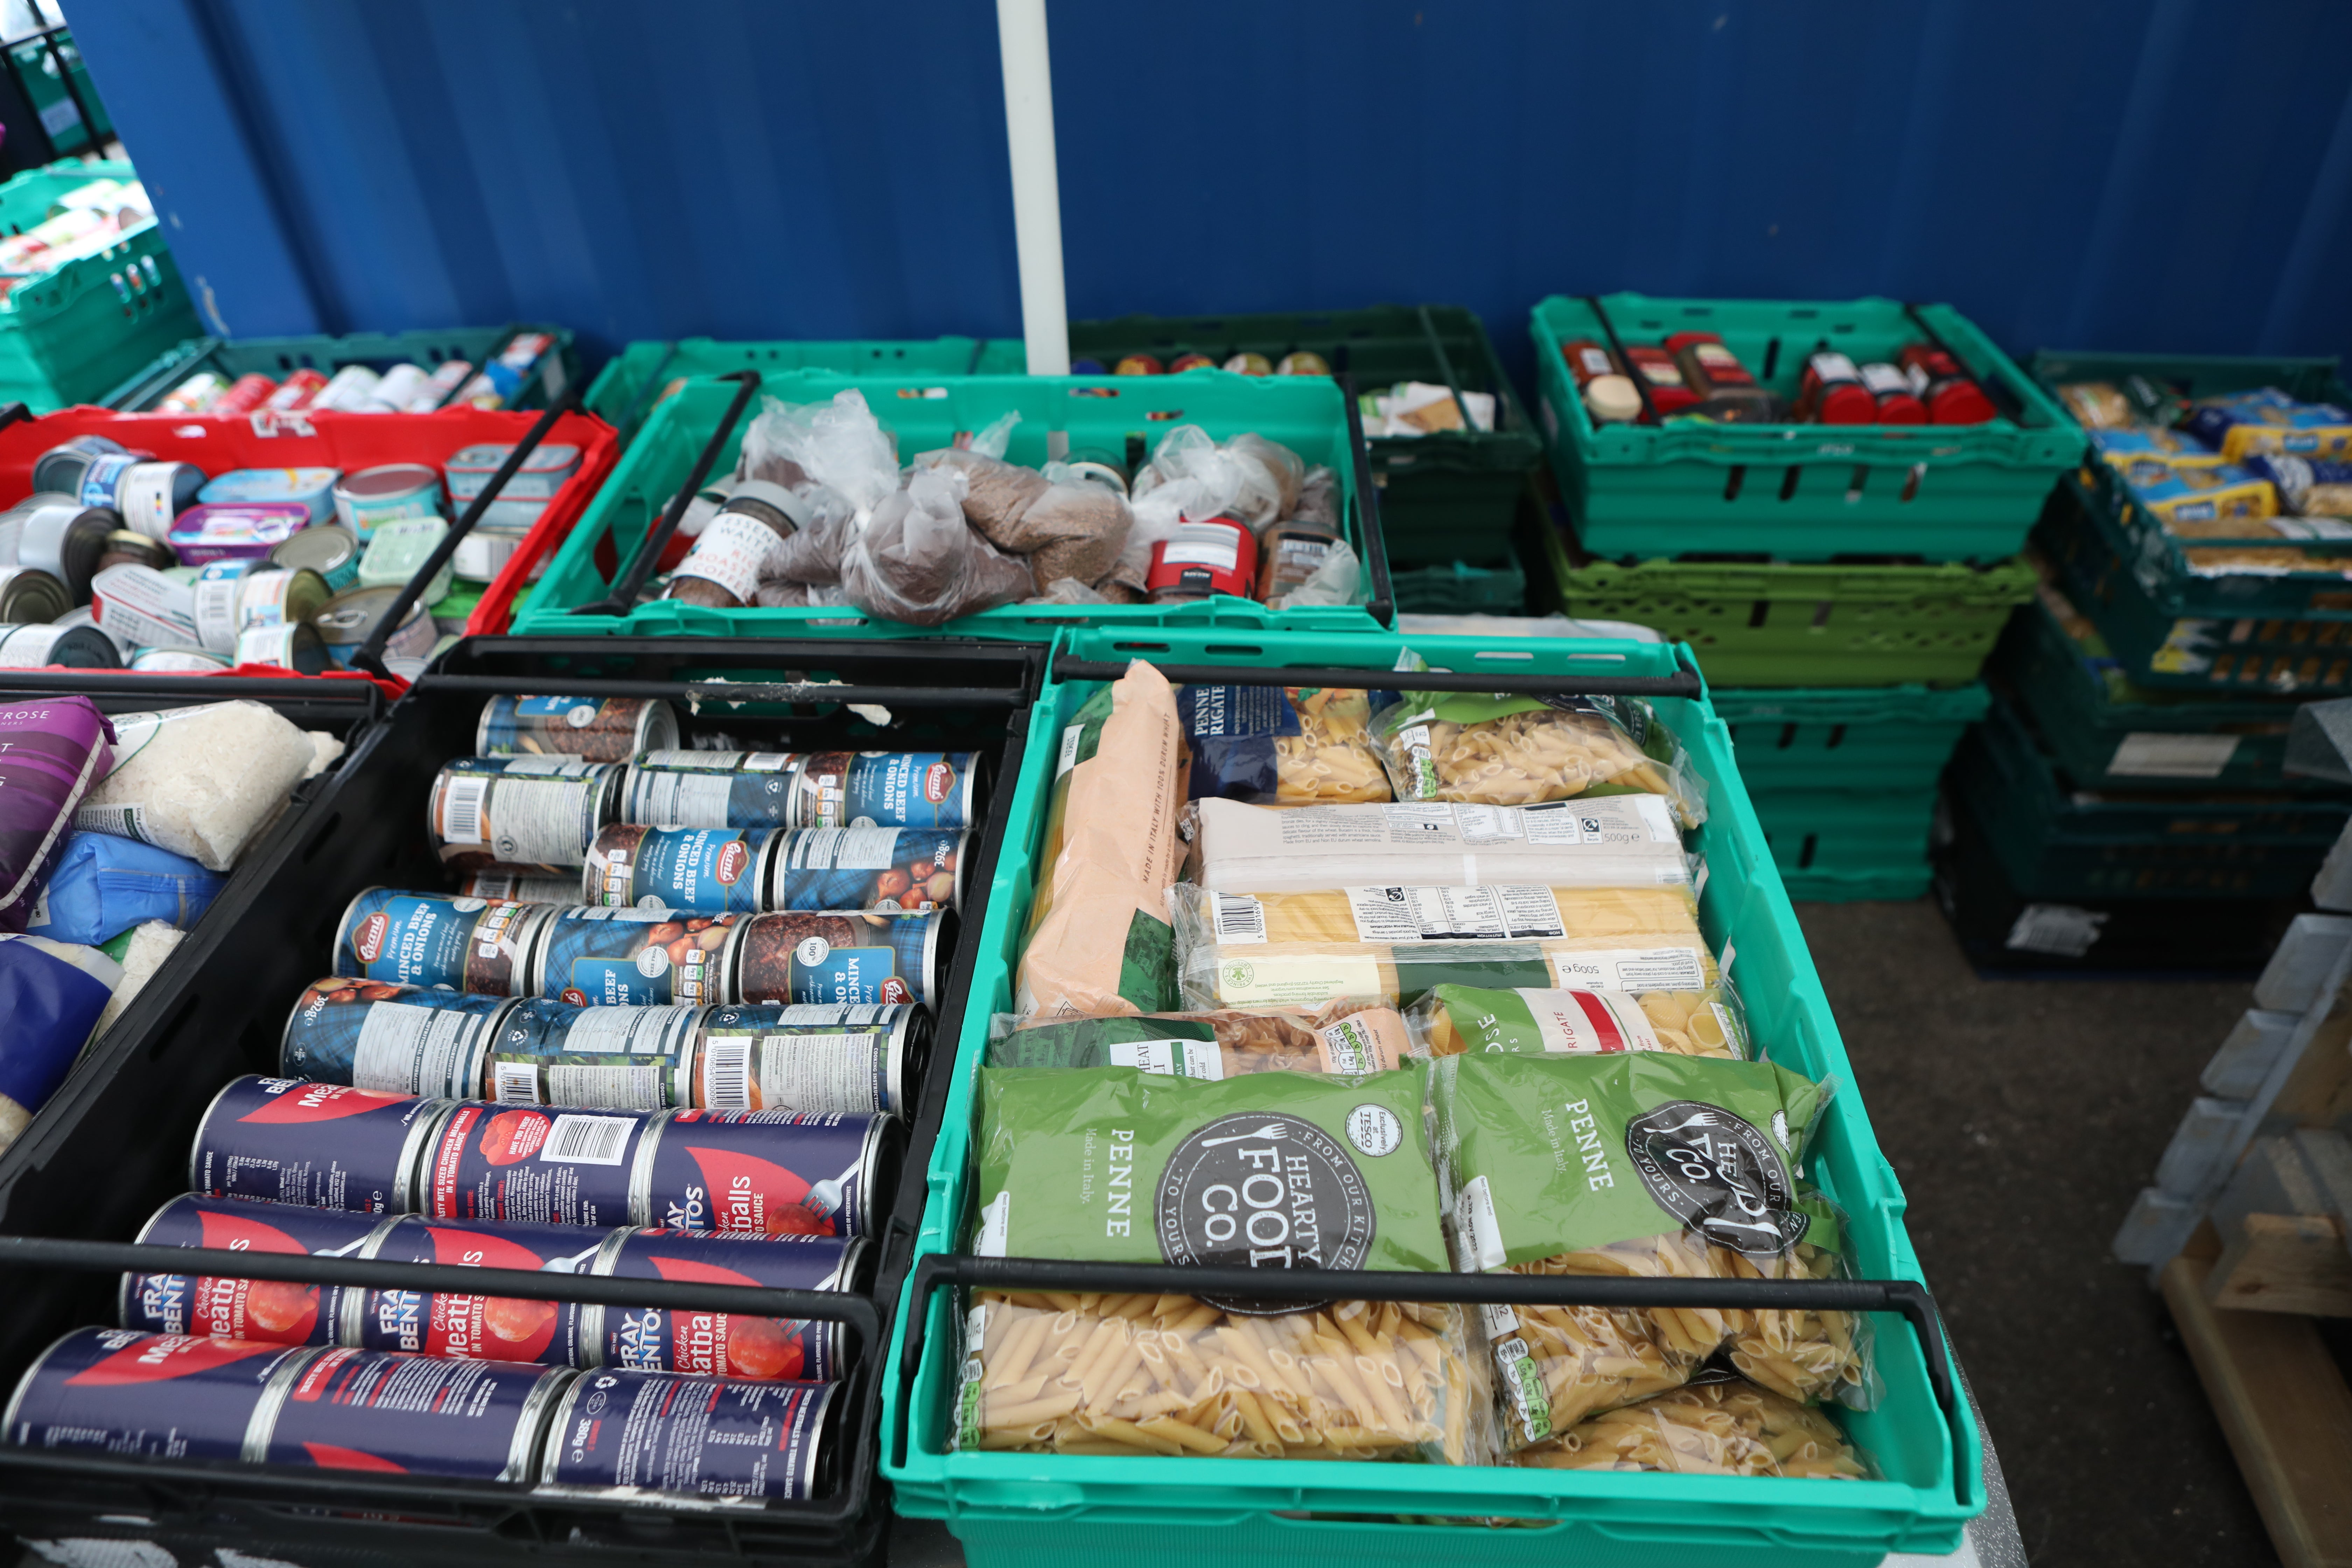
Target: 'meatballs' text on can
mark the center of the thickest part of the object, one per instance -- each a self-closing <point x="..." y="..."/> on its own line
<point x="662" y="1431"/>
<point x="625" y="1057"/>
<point x="474" y="1328"/>
<point x="442" y="939"/>
<point x="886" y="868"/>
<point x="768" y="1173"/>
<point x="597" y="729"/>
<point x="396" y="1039"/>
<point x="277" y="1310"/>
<point x="552" y="1167"/>
<point x="601" y="957"/>
<point x="519" y="884"/>
<point x="840" y="959"/>
<point x="725" y="1344"/>
<point x="542" y="812"/>
<point x="883" y="789"/>
<point x="179" y="1397"/>
<point x="377" y="1410"/>
<point x="809" y="1057"/>
<point x="323" y="1144"/>
<point x="706" y="871"/>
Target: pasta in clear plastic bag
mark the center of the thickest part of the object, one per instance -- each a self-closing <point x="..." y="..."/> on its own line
<point x="1292" y="745"/>
<point x="1626" y="841"/>
<point x="1209" y="1045"/>
<point x="1721" y="1426"/>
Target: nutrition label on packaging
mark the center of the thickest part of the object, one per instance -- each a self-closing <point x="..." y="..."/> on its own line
<point x="1177" y="1058"/>
<point x="1610" y="820"/>
<point x="525" y="820"/>
<point x="413" y="1050"/>
<point x="844" y="849"/>
<point x="1453" y="914"/>
<point x="682" y="800"/>
<point x="1631" y="969"/>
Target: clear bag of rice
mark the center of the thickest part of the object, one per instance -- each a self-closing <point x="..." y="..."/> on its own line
<point x="200" y="782"/>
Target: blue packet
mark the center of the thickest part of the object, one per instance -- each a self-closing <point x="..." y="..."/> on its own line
<point x="1274" y="745"/>
<point x="103" y="886"/>
<point x="51" y="994"/>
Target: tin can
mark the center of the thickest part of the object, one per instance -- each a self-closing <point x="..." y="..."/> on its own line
<point x="1247" y="363"/>
<point x="102" y="482"/>
<point x="59" y="470"/>
<point x="518" y="1162"/>
<point x="151" y="496"/>
<point x="298" y="391"/>
<point x="1138" y="364"/>
<point x="180" y="1397"/>
<point x="125" y="548"/>
<point x="295" y="648"/>
<point x="519" y="884"/>
<point x="379" y="1410"/>
<point x="179" y="661"/>
<point x="351" y="617"/>
<point x="325" y="1144"/>
<point x="809" y="1057"/>
<point x="1302" y="361"/>
<point x="66" y="539"/>
<point x="663" y="1431"/>
<point x="326" y="548"/>
<point x="595" y="729"/>
<point x="312" y="488"/>
<point x="379" y="494"/>
<point x="281" y="596"/>
<point x="1213" y="555"/>
<point x="28" y="594"/>
<point x="706" y="870"/>
<point x="351" y="390"/>
<point x="883" y="789"/>
<point x="392" y="1039"/>
<point x="555" y="1052"/>
<point x="474" y="1328"/>
<point x="843" y="959"/>
<point x="244" y="394"/>
<point x="767" y="1173"/>
<point x="725" y="1344"/>
<point x="447" y="377"/>
<point x="73" y="647"/>
<point x="218" y="588"/>
<point x="277" y="1310"/>
<point x="709" y="789"/>
<point x="543" y="472"/>
<point x="196" y="395"/>
<point x="448" y="941"/>
<point x="398" y="386"/>
<point x="542" y="812"/>
<point x="483" y="553"/>
<point x="598" y="957"/>
<point x="869" y="869"/>
<point x="141" y="605"/>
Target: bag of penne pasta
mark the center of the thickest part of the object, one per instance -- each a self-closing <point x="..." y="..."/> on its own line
<point x="1339" y="1038"/>
<point x="1277" y="745"/>
<point x="1697" y="1022"/>
<point x="1390" y="945"/>
<point x="1640" y="1162"/>
<point x="1622" y="841"/>
<point x="1269" y="1171"/>
<point x="1718" y="1425"/>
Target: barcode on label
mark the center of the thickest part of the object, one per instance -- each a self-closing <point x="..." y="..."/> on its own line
<point x="514" y="1083"/>
<point x="588" y="1139"/>
<point x="461" y="810"/>
<point x="727" y="1075"/>
<point x="1239" y="919"/>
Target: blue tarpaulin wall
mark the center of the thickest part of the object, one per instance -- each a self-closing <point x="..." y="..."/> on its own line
<point x="2132" y="174"/>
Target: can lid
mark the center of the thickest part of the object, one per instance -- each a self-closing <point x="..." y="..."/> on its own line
<point x="321" y="546"/>
<point x="1848" y="403"/>
<point x="1612" y="397"/>
<point x="388" y="480"/>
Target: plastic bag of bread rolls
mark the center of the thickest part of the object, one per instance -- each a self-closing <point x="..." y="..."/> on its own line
<point x="1209" y="1045"/>
<point x="1724" y="1426"/>
<point x="1451" y="1019"/>
<point x="1282" y="745"/>
<point x="1622" y="841"/>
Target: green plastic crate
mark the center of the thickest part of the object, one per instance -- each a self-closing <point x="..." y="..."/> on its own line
<point x="1458" y="589"/>
<point x="52" y="104"/>
<point x="1892" y="738"/>
<point x="1798" y="492"/>
<point x="1841" y="845"/>
<point x="1098" y="415"/>
<point x="1805" y="625"/>
<point x="279" y="357"/>
<point x="625" y="391"/>
<point x="1067" y="1511"/>
<point x="1444" y="497"/>
<point x="70" y="333"/>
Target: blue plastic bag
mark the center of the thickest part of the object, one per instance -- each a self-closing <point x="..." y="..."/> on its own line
<point x="104" y="885"/>
<point x="51" y="994"/>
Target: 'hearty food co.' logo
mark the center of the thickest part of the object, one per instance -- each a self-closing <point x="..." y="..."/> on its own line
<point x="1716" y="1174"/>
<point x="1264" y="1191"/>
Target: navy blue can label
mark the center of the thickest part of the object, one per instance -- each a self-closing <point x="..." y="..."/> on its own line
<point x="842" y="960"/>
<point x="172" y="1396"/>
<point x="886" y="868"/>
<point x="595" y="729"/>
<point x="413" y="1415"/>
<point x="277" y="1310"/>
<point x="709" y="789"/>
<point x="605" y="958"/>
<point x="621" y="1059"/>
<point x="325" y="1145"/>
<point x="883" y="789"/>
<point x="396" y="1039"/>
<point x="761" y="1172"/>
<point x="441" y="940"/>
<point x="475" y="1328"/>
<point x="724" y="1344"/>
<point x="551" y="1167"/>
<point x="708" y="870"/>
<point x="666" y="1432"/>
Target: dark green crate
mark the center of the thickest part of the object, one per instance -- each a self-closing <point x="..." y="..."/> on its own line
<point x="280" y="357"/>
<point x="1837" y="846"/>
<point x="1894" y="738"/>
<point x="1458" y="589"/>
<point x="634" y="381"/>
<point x="1444" y="497"/>
<point x="69" y="334"/>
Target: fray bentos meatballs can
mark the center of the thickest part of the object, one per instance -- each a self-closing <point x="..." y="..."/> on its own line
<point x="597" y="957"/>
<point x="597" y="729"/>
<point x="396" y="1039"/>
<point x="826" y="869"/>
<point x="378" y="1410"/>
<point x="625" y="1058"/>
<point x="277" y="1310"/>
<point x="474" y="1328"/>
<point x="539" y="811"/>
<point x="883" y="789"/>
<point x="708" y="870"/>
<point x="326" y="1145"/>
<point x="765" y="1056"/>
<point x="766" y="1173"/>
<point x="841" y="959"/>
<point x="181" y="1396"/>
<point x="448" y="941"/>
<point x="551" y="1167"/>
<point x="724" y="1344"/>
<point x="660" y="1431"/>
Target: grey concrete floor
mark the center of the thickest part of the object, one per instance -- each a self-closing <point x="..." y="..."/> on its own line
<point x="2022" y="1117"/>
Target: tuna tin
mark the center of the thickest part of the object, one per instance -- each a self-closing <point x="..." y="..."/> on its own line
<point x="29" y="595"/>
<point x="245" y="532"/>
<point x="378" y="495"/>
<point x="294" y="647"/>
<point x="803" y="1058"/>
<point x="351" y="616"/>
<point x="377" y="1410"/>
<point x="767" y="1173"/>
<point x="709" y="789"/>
<point x="883" y="789"/>
<point x="725" y="1344"/>
<point x="666" y="1432"/>
<point x="595" y="729"/>
<point x="74" y="647"/>
<point x="326" y="1145"/>
<point x="841" y="959"/>
<point x="326" y="548"/>
<point x="393" y="1039"/>
<point x="277" y="1310"/>
<point x="179" y="661"/>
<point x="592" y="957"/>
<point x="832" y="868"/>
<point x="179" y="1397"/>
<point x="519" y="884"/>
<point x="474" y="1328"/>
<point x="542" y="812"/>
<point x="552" y="1167"/>
<point x="444" y="940"/>
<point x="311" y="489"/>
<point x="542" y="473"/>
<point x="232" y="596"/>
<point x="554" y="1053"/>
<point x="709" y="870"/>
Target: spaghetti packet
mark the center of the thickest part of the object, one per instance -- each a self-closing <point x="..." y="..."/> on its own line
<point x="1449" y="1020"/>
<point x="1622" y="841"/>
<point x="1217" y="1045"/>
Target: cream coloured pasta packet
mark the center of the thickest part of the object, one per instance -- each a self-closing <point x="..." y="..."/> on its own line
<point x="1450" y="1020"/>
<point x="1644" y="1163"/>
<point x="1283" y="745"/>
<point x="1269" y="1170"/>
<point x="1615" y="841"/>
<point x="1387" y="946"/>
<point x="1718" y="1425"/>
<point x="1220" y="1045"/>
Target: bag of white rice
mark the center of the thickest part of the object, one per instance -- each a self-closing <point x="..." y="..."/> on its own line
<point x="200" y="782"/>
<point x="149" y="945"/>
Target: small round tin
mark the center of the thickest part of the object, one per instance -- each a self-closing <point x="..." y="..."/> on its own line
<point x="351" y="616"/>
<point x="29" y="594"/>
<point x="151" y="496"/>
<point x="126" y="548"/>
<point x="312" y="487"/>
<point x="377" y="495"/>
<point x="40" y="645"/>
<point x="65" y="538"/>
<point x="296" y="647"/>
<point x="327" y="548"/>
<point x="59" y="470"/>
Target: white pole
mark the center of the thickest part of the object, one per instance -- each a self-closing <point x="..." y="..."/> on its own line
<point x="1036" y="184"/>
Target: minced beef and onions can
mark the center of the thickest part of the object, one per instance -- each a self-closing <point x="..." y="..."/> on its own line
<point x="604" y="957"/>
<point x="394" y="1039"/>
<point x="548" y="1052"/>
<point x="595" y="729"/>
<point x="843" y="959"/>
<point x="809" y="1057"/>
<point x="706" y="871"/>
<point x="326" y="1145"/>
<point x="475" y="1328"/>
<point x="542" y="812"/>
<point x="519" y="884"/>
<point x="277" y="1310"/>
<point x="766" y="1173"/>
<point x="658" y="1431"/>
<point x="725" y="1344"/>
<point x="828" y="868"/>
<point x="449" y="940"/>
<point x="883" y="789"/>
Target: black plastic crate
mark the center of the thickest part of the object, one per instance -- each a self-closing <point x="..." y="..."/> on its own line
<point x="114" y="1144"/>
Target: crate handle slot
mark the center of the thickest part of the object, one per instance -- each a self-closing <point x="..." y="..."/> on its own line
<point x="1854" y="488"/>
<point x="1789" y="482"/>
<point x="624" y="596"/>
<point x="1772" y="359"/>
<point x="1911" y="484"/>
<point x="1734" y="480"/>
